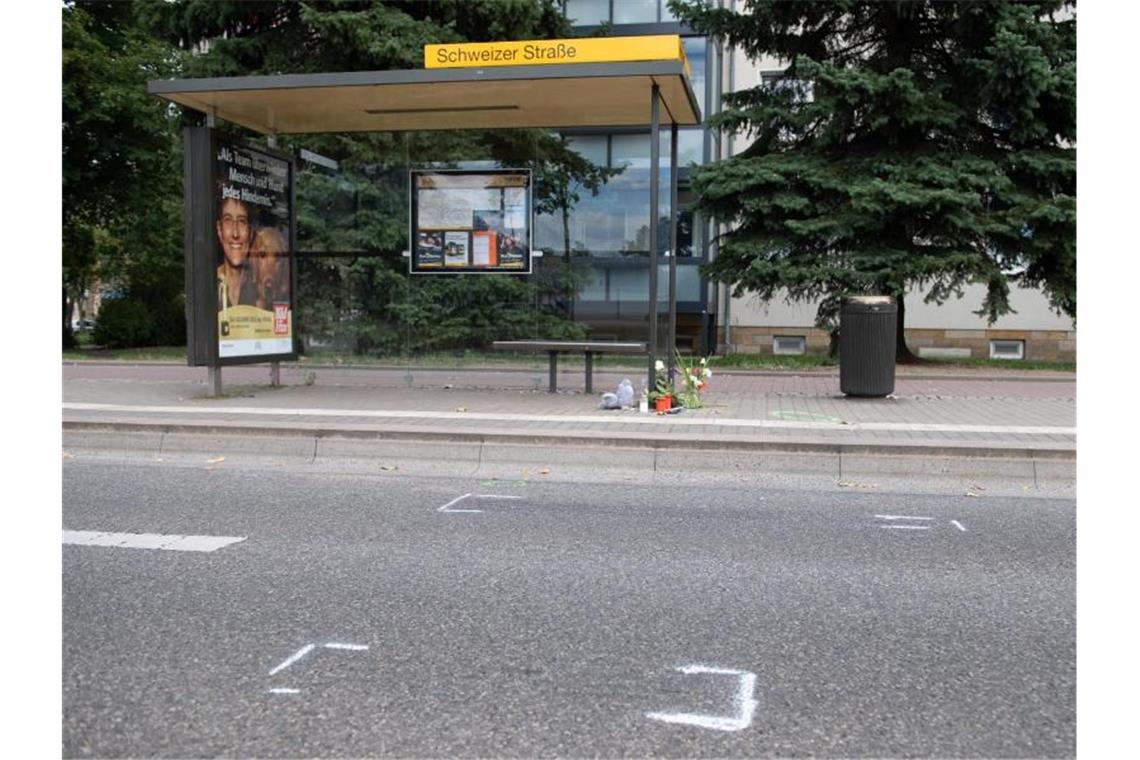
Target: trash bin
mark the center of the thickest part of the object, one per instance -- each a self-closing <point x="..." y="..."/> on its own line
<point x="867" y="346"/>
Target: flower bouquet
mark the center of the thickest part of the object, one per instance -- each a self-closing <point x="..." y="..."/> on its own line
<point x="694" y="380"/>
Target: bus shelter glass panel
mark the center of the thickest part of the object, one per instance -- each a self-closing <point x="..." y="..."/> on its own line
<point x="358" y="302"/>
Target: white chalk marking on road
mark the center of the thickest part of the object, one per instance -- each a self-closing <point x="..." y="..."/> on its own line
<point x="743" y="702"/>
<point x="901" y="517"/>
<point x="905" y="527"/>
<point x="149" y="540"/>
<point x="958" y="525"/>
<point x="304" y="651"/>
<point x="633" y="419"/>
<point x="293" y="658"/>
<point x="447" y="508"/>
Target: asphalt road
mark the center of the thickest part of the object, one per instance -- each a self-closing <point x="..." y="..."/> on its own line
<point x="570" y="619"/>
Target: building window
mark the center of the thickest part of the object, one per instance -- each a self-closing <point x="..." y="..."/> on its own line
<point x="632" y="151"/>
<point x="1007" y="349"/>
<point x="593" y="12"/>
<point x="593" y="148"/>
<point x="802" y="91"/>
<point x="615" y="222"/>
<point x="690" y="147"/>
<point x="792" y="345"/>
<point x="696" y="49"/>
<point x="588" y="12"/>
<point x="635" y="11"/>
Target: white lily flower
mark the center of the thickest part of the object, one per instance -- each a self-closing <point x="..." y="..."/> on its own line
<point x="704" y="361"/>
<point x="706" y="372"/>
<point x="659" y="366"/>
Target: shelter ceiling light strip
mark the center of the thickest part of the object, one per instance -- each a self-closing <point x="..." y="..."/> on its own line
<point x="439" y="110"/>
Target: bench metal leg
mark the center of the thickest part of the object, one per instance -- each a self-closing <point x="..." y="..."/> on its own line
<point x="589" y="372"/>
<point x="553" y="371"/>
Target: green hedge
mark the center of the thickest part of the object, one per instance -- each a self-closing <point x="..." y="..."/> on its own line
<point x="124" y="323"/>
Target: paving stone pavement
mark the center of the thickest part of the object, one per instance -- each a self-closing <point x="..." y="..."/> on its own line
<point x="992" y="410"/>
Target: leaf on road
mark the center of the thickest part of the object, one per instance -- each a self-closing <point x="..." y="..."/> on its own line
<point x="68" y="456"/>
<point x="389" y="467"/>
<point x="461" y="409"/>
<point x="544" y="471"/>
<point x="215" y="460"/>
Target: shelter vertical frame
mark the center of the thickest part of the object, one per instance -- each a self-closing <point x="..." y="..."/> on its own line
<point x="654" y="223"/>
<point x="198" y="246"/>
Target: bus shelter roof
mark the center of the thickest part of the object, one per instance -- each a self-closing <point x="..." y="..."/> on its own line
<point x="504" y="97"/>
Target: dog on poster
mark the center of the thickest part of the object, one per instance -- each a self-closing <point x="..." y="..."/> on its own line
<point x="268" y="257"/>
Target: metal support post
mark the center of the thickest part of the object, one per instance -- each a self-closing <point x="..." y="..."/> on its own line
<point x="672" y="347"/>
<point x="214" y="380"/>
<point x="654" y="172"/>
<point x="274" y="367"/>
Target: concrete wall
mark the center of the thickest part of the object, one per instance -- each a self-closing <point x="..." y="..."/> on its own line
<point x="1033" y="312"/>
<point x="930" y="329"/>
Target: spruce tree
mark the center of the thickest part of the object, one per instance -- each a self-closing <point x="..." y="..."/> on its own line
<point x="927" y="144"/>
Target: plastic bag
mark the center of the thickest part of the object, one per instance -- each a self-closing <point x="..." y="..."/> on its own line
<point x="625" y="393"/>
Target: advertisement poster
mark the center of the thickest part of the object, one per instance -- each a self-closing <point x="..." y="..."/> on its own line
<point x="254" y="230"/>
<point x="429" y="249"/>
<point x="471" y="221"/>
<point x="455" y="249"/>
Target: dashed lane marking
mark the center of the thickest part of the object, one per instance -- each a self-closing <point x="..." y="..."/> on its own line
<point x="178" y="543"/>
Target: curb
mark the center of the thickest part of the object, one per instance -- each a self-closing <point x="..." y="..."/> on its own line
<point x="828" y="372"/>
<point x="564" y="440"/>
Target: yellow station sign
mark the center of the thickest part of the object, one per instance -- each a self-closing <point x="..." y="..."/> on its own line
<point x="660" y="47"/>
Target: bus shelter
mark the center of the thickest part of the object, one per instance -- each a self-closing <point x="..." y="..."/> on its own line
<point x="561" y="84"/>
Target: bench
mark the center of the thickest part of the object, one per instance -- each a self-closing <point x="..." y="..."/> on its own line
<point x="587" y="347"/>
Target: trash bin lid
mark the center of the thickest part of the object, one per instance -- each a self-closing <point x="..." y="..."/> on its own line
<point x="869" y="300"/>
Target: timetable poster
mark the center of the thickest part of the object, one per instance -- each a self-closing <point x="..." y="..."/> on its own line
<point x="471" y="221"/>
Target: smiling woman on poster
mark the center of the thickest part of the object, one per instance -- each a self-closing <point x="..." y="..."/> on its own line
<point x="235" y="283"/>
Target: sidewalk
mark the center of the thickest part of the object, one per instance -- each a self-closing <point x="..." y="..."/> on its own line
<point x="971" y="414"/>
